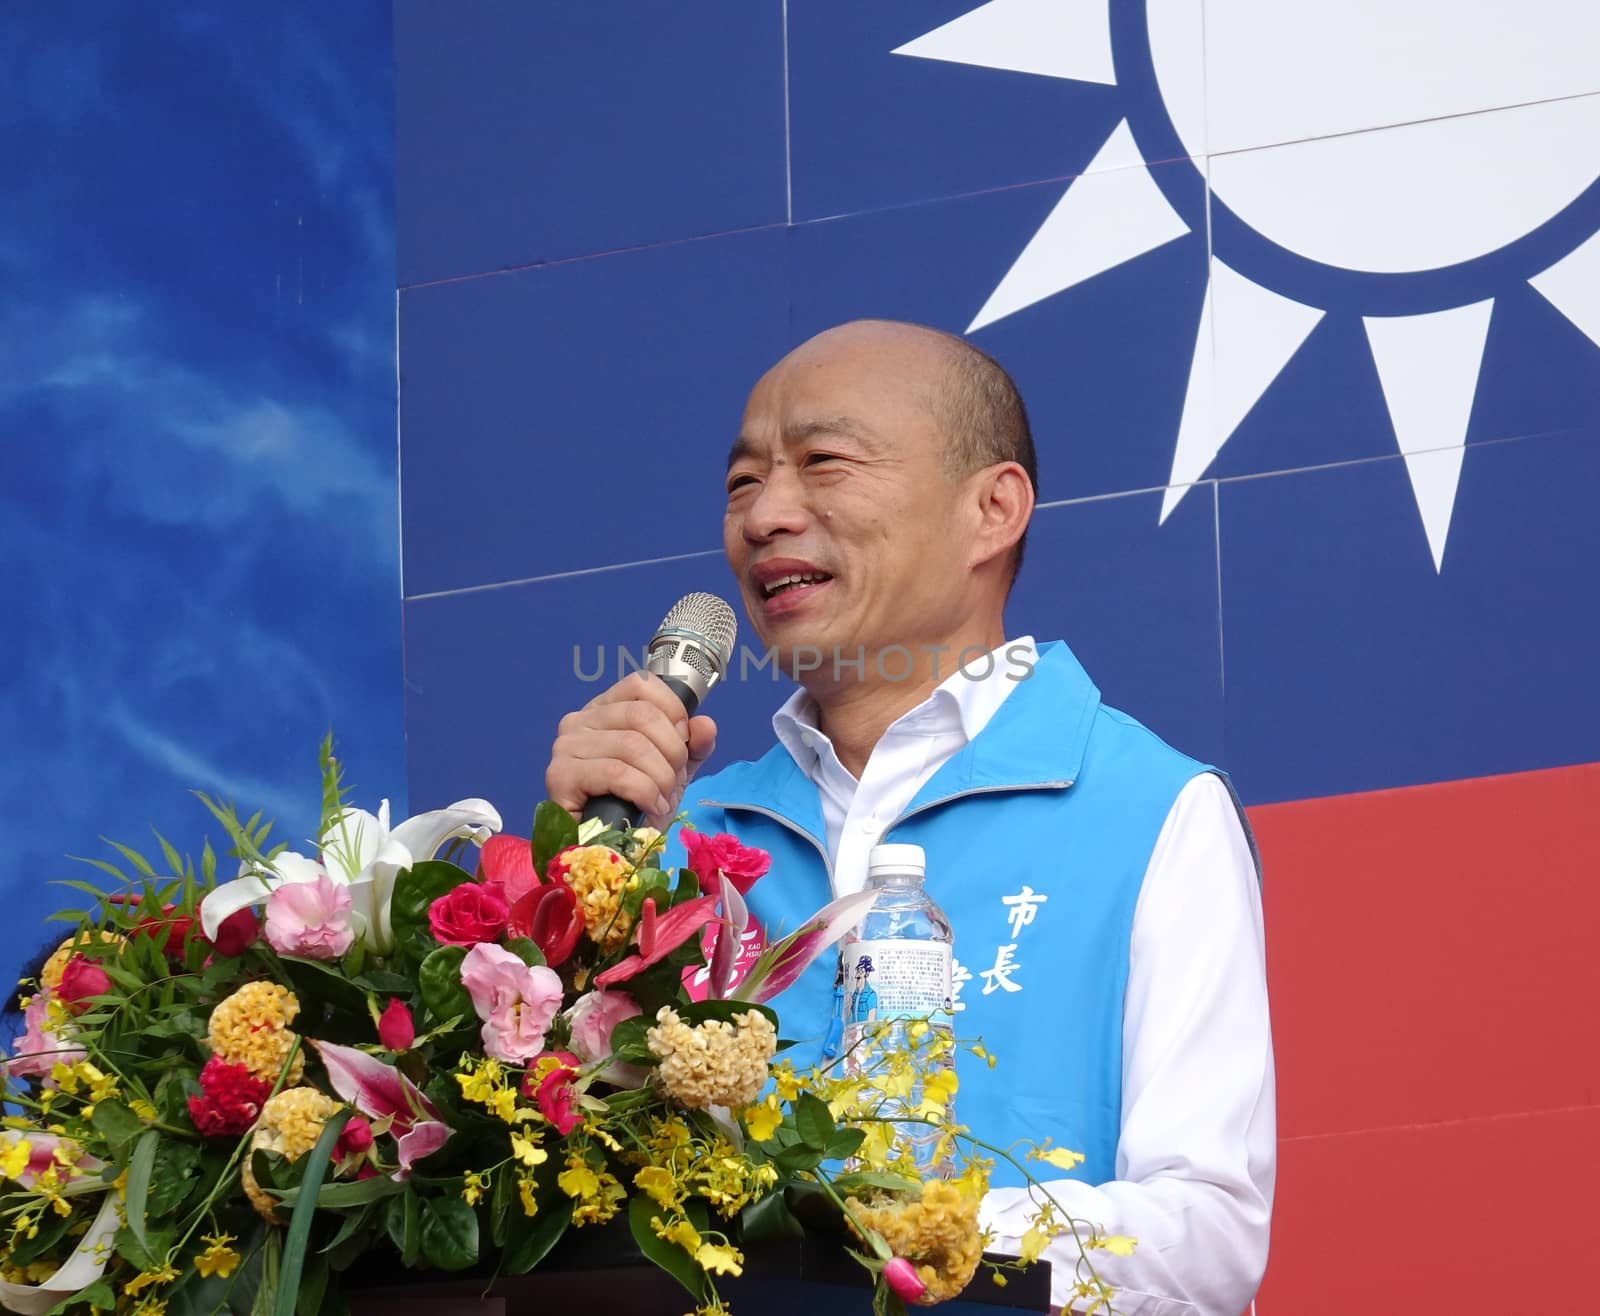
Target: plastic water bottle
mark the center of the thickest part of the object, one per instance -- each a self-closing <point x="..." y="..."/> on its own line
<point x="894" y="969"/>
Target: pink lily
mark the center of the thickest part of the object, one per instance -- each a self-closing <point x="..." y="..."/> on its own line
<point x="783" y="963"/>
<point x="382" y="1092"/>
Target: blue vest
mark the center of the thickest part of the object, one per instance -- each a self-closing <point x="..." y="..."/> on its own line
<point x="1038" y="834"/>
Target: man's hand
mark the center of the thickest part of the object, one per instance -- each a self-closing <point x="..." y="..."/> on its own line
<point x="634" y="741"/>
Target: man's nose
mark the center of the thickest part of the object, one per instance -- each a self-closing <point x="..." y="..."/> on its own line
<point x="779" y="508"/>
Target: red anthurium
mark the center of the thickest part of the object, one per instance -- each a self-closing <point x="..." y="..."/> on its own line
<point x="507" y="862"/>
<point x="550" y="916"/>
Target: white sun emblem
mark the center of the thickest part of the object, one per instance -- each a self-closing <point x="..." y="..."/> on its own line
<point x="1404" y="162"/>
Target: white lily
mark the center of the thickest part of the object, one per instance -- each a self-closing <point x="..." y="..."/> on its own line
<point x="360" y="850"/>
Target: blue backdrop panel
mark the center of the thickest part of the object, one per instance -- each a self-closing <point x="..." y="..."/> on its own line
<point x="198" y="557"/>
<point x="1351" y="665"/>
<point x="1103" y="402"/>
<point x="871" y="129"/>
<point x="490" y="672"/>
<point x="572" y="416"/>
<point x="531" y="132"/>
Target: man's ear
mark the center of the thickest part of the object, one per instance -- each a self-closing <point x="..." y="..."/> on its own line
<point x="1004" y="497"/>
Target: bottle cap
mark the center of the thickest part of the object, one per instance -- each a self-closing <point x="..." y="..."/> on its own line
<point x="890" y="860"/>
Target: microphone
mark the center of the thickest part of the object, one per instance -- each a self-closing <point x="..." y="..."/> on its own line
<point x="690" y="651"/>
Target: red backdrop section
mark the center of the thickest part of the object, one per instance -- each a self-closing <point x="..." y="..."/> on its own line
<point x="1435" y="992"/>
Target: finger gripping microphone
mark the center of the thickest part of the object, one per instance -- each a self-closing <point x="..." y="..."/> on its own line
<point x="690" y="651"/>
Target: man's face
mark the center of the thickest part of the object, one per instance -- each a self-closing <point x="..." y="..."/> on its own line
<point x="837" y="477"/>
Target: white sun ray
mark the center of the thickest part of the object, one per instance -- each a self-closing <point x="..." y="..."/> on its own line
<point x="1231" y="369"/>
<point x="1055" y="38"/>
<point x="1110" y="214"/>
<point x="1428" y="366"/>
<point x="1572" y="286"/>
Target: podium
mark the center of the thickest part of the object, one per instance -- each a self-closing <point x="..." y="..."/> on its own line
<point x="799" y="1277"/>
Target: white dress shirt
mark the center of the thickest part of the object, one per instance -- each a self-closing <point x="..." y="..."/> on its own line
<point x="1197" y="1155"/>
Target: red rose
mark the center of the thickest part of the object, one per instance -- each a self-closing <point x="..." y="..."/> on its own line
<point x="708" y="855"/>
<point x="81" y="979"/>
<point x="236" y="934"/>
<point x="231" y="1098"/>
<point x="355" y="1139"/>
<point x="396" y="1028"/>
<point x="469" y="914"/>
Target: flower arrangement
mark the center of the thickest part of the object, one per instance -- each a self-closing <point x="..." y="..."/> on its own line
<point x="228" y="1092"/>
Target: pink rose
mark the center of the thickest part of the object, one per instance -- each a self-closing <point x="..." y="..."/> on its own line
<point x="515" y="1001"/>
<point x="310" y="919"/>
<point x="40" y="1048"/>
<point x="709" y="855"/>
<point x="81" y="979"/>
<point x="593" y="1018"/>
<point x="469" y="914"/>
<point x="397" y="1030"/>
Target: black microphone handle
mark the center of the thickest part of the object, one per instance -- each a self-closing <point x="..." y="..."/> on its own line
<point x="613" y="810"/>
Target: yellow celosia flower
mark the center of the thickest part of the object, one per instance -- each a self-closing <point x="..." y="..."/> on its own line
<point x="597" y="875"/>
<point x="251" y="1028"/>
<point x="938" y="1232"/>
<point x="218" y="1258"/>
<point x="720" y="1258"/>
<point x="763" y="1119"/>
<point x="715" y="1063"/>
<point x="289" y="1124"/>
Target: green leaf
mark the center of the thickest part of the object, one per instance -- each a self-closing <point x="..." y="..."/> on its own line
<point x="526" y="950"/>
<point x="171" y="1177"/>
<point x="449" y="1233"/>
<point x="320" y="978"/>
<point x="844" y="1143"/>
<point x="891" y="1183"/>
<point x="627" y="1041"/>
<point x="553" y="831"/>
<point x="813" y="1121"/>
<point x="669" y="1256"/>
<point x="351" y="1192"/>
<point x="353" y="1224"/>
<point x="294" y="1245"/>
<point x="138" y="1190"/>
<point x="530" y="1241"/>
<point x="418" y="887"/>
<point x="173" y="858"/>
<point x="769" y="1221"/>
<point x="313" y="1283"/>
<point x="117" y="1123"/>
<point x="402" y="1218"/>
<point x="440" y="981"/>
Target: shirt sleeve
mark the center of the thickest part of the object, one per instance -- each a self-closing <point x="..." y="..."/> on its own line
<point x="1197" y="1158"/>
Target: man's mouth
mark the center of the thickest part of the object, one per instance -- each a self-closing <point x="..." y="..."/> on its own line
<point x="783" y="584"/>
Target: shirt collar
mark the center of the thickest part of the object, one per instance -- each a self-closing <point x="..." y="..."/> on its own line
<point x="960" y="704"/>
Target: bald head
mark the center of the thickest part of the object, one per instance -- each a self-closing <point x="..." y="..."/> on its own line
<point x="974" y="402"/>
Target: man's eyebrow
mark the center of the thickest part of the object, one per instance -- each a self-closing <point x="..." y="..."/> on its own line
<point x="847" y="426"/>
<point x="743" y="446"/>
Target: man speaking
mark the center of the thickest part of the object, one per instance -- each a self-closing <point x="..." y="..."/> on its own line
<point x="1102" y="887"/>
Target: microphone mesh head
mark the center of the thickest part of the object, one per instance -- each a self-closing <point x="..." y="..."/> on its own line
<point x="708" y="617"/>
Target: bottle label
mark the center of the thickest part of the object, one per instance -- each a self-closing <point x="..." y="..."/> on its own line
<point x="896" y="980"/>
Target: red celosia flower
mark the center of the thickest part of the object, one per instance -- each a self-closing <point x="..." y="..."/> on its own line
<point x="231" y="1098"/>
